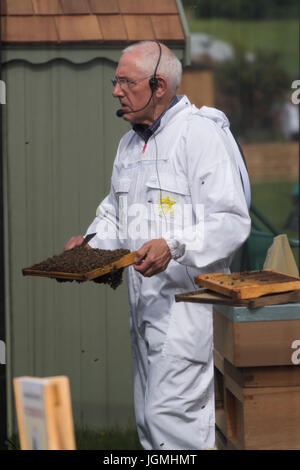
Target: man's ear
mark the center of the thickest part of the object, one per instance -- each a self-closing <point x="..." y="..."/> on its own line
<point x="162" y="87"/>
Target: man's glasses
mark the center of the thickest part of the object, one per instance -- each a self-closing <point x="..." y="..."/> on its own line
<point x="126" y="82"/>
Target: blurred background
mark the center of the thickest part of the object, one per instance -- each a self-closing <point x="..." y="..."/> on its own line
<point x="247" y="52"/>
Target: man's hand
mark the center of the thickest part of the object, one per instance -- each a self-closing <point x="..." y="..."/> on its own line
<point x="75" y="241"/>
<point x="153" y="257"/>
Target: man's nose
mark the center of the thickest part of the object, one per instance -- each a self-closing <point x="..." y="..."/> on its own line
<point x="117" y="91"/>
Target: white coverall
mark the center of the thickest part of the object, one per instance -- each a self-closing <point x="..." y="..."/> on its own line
<point x="186" y="179"/>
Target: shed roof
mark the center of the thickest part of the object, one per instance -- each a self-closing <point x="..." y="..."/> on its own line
<point x="93" y="21"/>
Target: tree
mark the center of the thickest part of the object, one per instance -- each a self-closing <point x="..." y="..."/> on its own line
<point x="248" y="90"/>
<point x="243" y="9"/>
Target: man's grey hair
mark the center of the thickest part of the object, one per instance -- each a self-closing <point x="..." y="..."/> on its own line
<point x="169" y="66"/>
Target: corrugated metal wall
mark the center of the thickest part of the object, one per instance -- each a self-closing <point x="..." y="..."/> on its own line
<point x="60" y="136"/>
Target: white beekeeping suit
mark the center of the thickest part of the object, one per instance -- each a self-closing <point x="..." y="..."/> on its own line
<point x="184" y="186"/>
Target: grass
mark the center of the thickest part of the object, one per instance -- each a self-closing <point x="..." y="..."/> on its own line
<point x="89" y="439"/>
<point x="112" y="439"/>
<point x="274" y="200"/>
<point x="281" y="36"/>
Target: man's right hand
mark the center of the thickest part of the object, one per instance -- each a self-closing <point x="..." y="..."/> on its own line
<point x="74" y="241"/>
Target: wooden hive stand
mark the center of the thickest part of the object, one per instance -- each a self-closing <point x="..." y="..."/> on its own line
<point x="256" y="356"/>
<point x="257" y="377"/>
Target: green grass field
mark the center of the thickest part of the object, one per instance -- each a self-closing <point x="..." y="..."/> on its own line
<point x="274" y="200"/>
<point x="113" y="439"/>
<point x="88" y="439"/>
<point x="281" y="36"/>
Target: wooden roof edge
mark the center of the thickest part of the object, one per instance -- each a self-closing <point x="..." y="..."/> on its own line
<point x="108" y="42"/>
<point x="36" y="15"/>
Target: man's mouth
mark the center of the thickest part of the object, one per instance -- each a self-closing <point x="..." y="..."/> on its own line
<point x="124" y="106"/>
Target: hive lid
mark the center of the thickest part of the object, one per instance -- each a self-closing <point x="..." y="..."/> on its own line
<point x="206" y="296"/>
<point x="249" y="284"/>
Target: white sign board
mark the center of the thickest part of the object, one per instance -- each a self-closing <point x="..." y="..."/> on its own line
<point x="44" y="413"/>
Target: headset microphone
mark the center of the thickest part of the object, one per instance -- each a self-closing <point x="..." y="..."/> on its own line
<point x="121" y="112"/>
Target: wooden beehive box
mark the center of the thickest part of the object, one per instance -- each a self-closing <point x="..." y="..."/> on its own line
<point x="259" y="337"/>
<point x="257" y="376"/>
<point x="249" y="284"/>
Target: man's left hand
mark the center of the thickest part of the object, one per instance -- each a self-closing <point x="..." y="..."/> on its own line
<point x="152" y="258"/>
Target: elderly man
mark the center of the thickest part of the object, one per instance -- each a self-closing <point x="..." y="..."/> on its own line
<point x="178" y="198"/>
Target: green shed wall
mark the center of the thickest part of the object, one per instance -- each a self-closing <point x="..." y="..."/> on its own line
<point x="60" y="137"/>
